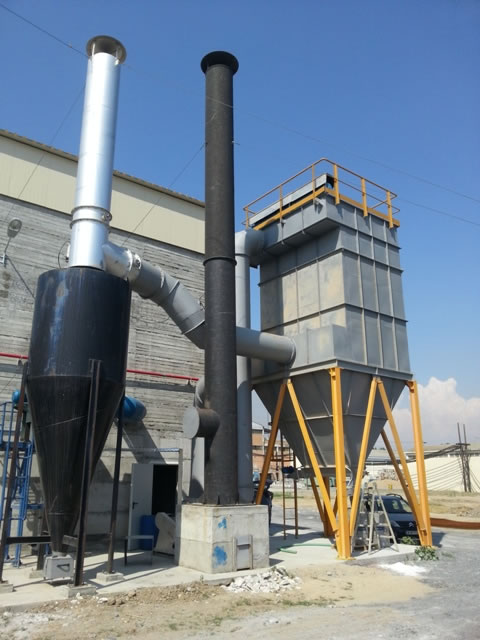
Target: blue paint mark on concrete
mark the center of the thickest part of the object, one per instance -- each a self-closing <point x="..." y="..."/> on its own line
<point x="222" y="524"/>
<point x="219" y="556"/>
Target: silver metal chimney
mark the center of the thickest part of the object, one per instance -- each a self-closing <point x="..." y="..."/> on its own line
<point x="91" y="213"/>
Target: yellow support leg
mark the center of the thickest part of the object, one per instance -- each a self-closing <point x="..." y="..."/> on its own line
<point x="271" y="443"/>
<point x="363" y="454"/>
<point x="399" y="473"/>
<point x="328" y="528"/>
<point x="318" y="501"/>
<point x="411" y="496"/>
<point x="420" y="460"/>
<point x="311" y="455"/>
<point x="343" y="535"/>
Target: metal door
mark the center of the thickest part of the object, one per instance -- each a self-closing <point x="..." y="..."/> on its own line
<point x="140" y="499"/>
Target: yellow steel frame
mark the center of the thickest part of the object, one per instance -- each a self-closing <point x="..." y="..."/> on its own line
<point x="343" y="537"/>
<point x="420" y="460"/>
<point x="311" y="456"/>
<point x="336" y="519"/>
<point x="363" y="454"/>
<point x="271" y="443"/>
<point x="420" y="510"/>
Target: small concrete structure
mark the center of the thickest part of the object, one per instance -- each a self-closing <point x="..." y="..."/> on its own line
<point x="217" y="539"/>
<point x="71" y="591"/>
<point x="107" y="578"/>
<point x="6" y="587"/>
<point x="166" y="534"/>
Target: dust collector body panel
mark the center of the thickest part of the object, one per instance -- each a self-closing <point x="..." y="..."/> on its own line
<point x="80" y="314"/>
<point x="330" y="279"/>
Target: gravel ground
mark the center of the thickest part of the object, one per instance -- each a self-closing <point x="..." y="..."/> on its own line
<point x="336" y="601"/>
<point x="451" y="611"/>
<point x="448" y="611"/>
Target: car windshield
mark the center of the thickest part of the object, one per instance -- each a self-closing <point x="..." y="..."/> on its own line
<point x="396" y="504"/>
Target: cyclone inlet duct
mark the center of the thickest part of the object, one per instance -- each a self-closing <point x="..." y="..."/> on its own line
<point x="81" y="313"/>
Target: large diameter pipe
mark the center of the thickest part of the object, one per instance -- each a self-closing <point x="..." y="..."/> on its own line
<point x="91" y="212"/>
<point x="154" y="283"/>
<point x="247" y="243"/>
<point x="220" y="365"/>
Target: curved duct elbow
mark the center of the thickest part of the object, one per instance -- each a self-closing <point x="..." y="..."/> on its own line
<point x="248" y="242"/>
<point x="153" y="283"/>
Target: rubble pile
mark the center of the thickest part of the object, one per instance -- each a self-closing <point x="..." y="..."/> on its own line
<point x="272" y="581"/>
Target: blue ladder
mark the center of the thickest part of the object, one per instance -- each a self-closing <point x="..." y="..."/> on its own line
<point x="23" y="468"/>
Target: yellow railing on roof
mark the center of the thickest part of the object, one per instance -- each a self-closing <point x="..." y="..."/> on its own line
<point x="342" y="184"/>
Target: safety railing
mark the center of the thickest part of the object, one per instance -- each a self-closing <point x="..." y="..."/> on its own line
<point x="341" y="183"/>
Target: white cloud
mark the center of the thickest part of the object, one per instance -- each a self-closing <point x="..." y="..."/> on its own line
<point x="441" y="407"/>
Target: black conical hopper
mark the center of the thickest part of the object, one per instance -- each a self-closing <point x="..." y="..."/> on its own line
<point x="80" y="314"/>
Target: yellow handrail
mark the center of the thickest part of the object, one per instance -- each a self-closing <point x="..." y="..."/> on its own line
<point x="370" y="203"/>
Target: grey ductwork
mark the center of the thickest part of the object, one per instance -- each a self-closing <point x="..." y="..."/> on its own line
<point x="93" y="194"/>
<point x="247" y="244"/>
<point x="153" y="283"/>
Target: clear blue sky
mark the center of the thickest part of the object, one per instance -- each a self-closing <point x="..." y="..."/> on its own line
<point x="395" y="82"/>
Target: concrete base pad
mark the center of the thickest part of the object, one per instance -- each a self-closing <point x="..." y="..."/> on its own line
<point x="70" y="591"/>
<point x="217" y="539"/>
<point x="107" y="578"/>
<point x="36" y="573"/>
<point x="6" y="587"/>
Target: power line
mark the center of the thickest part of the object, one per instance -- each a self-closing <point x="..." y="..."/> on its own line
<point x="8" y="382"/>
<point x="21" y="277"/>
<point x="179" y="174"/>
<point x="280" y="125"/>
<point x="443" y="213"/>
<point x="44" y="31"/>
<point x="67" y="115"/>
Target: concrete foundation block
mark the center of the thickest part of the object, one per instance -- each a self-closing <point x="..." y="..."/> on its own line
<point x="36" y="573"/>
<point x="70" y="591"/>
<point x="6" y="587"/>
<point x="217" y="539"/>
<point x="106" y="578"/>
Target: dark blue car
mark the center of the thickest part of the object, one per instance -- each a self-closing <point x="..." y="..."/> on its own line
<point x="400" y="515"/>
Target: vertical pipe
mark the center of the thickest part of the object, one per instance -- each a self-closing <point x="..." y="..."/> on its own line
<point x="295" y="492"/>
<point x="282" y="462"/>
<point x="116" y="480"/>
<point x="247" y="243"/>
<point x="87" y="469"/>
<point x="91" y="212"/>
<point x="220" y="372"/>
<point x="244" y="390"/>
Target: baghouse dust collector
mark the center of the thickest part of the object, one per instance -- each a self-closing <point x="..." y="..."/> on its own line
<point x="333" y="333"/>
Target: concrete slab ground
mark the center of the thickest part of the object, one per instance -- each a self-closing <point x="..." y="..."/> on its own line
<point x="310" y="548"/>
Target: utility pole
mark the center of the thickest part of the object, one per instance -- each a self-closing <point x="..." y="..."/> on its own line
<point x="465" y="459"/>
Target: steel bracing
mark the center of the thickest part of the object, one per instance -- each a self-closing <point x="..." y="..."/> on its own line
<point x="339" y="520"/>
